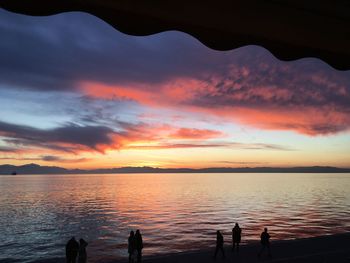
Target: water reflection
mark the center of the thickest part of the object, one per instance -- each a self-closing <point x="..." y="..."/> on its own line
<point x="175" y="212"/>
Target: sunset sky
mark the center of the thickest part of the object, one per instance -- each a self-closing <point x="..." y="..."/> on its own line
<point x="76" y="93"/>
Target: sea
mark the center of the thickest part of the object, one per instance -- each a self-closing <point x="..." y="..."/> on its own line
<point x="174" y="212"/>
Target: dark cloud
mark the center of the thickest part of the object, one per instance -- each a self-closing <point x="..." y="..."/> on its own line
<point x="51" y="158"/>
<point x="47" y="158"/>
<point x="54" y="158"/>
<point x="54" y="53"/>
<point x="7" y="149"/>
<point x="271" y="83"/>
<point x="68" y="138"/>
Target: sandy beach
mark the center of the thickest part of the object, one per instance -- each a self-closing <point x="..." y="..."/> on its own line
<point x="334" y="248"/>
<point x="324" y="249"/>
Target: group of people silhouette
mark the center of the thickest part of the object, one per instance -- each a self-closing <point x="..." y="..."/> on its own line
<point x="75" y="249"/>
<point x="236" y="240"/>
<point x="135" y="246"/>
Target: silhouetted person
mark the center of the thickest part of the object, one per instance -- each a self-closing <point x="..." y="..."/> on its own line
<point x="82" y="251"/>
<point x="72" y="248"/>
<point x="236" y="237"/>
<point x="131" y="246"/>
<point x="138" y="245"/>
<point x="219" y="244"/>
<point x="265" y="242"/>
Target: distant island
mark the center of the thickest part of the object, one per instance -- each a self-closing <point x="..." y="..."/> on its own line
<point x="37" y="169"/>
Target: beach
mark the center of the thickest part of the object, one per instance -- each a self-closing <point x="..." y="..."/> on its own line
<point x="333" y="248"/>
<point x="323" y="249"/>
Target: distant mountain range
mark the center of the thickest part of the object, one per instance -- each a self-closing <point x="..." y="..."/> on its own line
<point x="37" y="169"/>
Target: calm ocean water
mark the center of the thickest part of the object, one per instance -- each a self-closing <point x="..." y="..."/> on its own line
<point x="175" y="212"/>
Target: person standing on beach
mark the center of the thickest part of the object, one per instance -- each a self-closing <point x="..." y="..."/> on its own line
<point x="82" y="251"/>
<point x="138" y="245"/>
<point x="131" y="247"/>
<point x="72" y="248"/>
<point x="265" y="242"/>
<point x="219" y="244"/>
<point x="236" y="237"/>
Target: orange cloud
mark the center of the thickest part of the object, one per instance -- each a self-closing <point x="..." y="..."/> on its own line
<point x="319" y="109"/>
<point x="177" y="92"/>
<point x="305" y="120"/>
<point x="142" y="136"/>
<point x="195" y="134"/>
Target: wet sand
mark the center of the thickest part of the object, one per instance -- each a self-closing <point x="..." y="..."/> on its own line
<point x="324" y="249"/>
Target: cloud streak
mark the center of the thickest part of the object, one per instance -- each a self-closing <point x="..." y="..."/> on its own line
<point x="69" y="138"/>
<point x="5" y="149"/>
<point x="232" y="145"/>
<point x="47" y="158"/>
<point x="76" y="139"/>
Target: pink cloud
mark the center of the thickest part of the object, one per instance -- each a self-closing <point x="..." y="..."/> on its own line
<point x="264" y="96"/>
<point x="195" y="134"/>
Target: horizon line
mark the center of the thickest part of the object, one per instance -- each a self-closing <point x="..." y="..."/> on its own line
<point x="36" y="168"/>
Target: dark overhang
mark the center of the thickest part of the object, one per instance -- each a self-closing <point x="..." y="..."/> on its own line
<point x="289" y="29"/>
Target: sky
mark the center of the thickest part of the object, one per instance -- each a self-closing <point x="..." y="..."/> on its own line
<point x="76" y="93"/>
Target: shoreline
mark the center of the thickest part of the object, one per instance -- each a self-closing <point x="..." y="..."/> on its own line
<point x="329" y="248"/>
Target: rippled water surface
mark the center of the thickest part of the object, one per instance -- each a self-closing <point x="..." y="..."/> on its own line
<point x="175" y="212"/>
